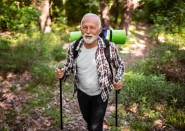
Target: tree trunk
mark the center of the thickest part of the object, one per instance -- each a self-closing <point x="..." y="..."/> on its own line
<point x="105" y="14"/>
<point x="129" y="6"/>
<point x="45" y="18"/>
<point x="117" y="11"/>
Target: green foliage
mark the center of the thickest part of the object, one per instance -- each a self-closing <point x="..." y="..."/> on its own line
<point x="10" y="120"/>
<point x="149" y="89"/>
<point x="33" y="54"/>
<point x="43" y="73"/>
<point x="76" y="9"/>
<point x="57" y="8"/>
<point x="58" y="53"/>
<point x="42" y="97"/>
<point x="111" y="122"/>
<point x="22" y="56"/>
<point x="173" y="21"/>
<point x="150" y="86"/>
<point x="146" y="85"/>
<point x="176" y="118"/>
<point x="167" y="53"/>
<point x="17" y="18"/>
<point x="54" y="112"/>
<point x="115" y="129"/>
<point x="140" y="125"/>
<point x="167" y="15"/>
<point x="31" y="88"/>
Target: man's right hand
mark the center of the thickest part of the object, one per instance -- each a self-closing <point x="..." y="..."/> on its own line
<point x="59" y="73"/>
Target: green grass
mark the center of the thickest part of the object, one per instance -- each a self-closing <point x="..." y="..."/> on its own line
<point x="26" y="110"/>
<point x="54" y="112"/>
<point x="32" y="88"/>
<point x="42" y="97"/>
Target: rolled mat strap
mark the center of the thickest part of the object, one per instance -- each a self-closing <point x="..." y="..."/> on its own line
<point x="110" y="35"/>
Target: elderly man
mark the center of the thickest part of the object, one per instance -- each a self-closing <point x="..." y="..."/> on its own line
<point x="92" y="75"/>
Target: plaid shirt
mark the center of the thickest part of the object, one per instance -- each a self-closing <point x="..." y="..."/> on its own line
<point x="103" y="70"/>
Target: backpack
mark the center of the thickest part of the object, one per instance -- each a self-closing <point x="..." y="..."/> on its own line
<point x="106" y="50"/>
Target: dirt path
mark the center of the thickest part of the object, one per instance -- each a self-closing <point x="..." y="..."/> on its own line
<point x="139" y="44"/>
<point x="12" y="99"/>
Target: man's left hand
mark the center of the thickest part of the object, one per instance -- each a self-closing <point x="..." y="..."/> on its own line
<point x="117" y="85"/>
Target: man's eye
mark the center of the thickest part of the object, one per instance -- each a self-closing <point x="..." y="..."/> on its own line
<point x="84" y="27"/>
<point x="93" y="28"/>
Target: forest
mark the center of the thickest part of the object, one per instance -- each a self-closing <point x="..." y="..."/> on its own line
<point x="34" y="38"/>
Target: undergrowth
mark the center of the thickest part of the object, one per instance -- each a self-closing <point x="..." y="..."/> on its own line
<point x="154" y="88"/>
<point x="37" y="54"/>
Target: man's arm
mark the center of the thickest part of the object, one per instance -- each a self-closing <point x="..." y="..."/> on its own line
<point x="66" y="70"/>
<point x="119" y="66"/>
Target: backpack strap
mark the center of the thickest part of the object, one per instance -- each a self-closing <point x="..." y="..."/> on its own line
<point x="103" y="34"/>
<point x="75" y="52"/>
<point x="107" y="50"/>
<point x="107" y="55"/>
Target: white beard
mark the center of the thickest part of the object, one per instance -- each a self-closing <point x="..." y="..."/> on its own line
<point x="89" y="41"/>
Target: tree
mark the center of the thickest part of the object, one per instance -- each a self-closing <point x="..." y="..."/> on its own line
<point x="105" y="15"/>
<point x="129" y="6"/>
<point x="45" y="17"/>
<point x="168" y="15"/>
<point x="76" y="9"/>
<point x="116" y="3"/>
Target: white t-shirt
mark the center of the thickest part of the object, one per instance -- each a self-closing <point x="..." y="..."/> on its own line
<point x="87" y="71"/>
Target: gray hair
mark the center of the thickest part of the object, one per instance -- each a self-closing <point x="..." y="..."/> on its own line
<point x="93" y="15"/>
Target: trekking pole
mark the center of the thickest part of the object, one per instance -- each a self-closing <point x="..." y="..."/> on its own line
<point x="61" y="120"/>
<point x="117" y="91"/>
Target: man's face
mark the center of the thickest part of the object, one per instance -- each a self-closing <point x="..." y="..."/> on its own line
<point x="90" y="29"/>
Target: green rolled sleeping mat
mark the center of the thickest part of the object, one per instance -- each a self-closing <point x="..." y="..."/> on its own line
<point x="116" y="36"/>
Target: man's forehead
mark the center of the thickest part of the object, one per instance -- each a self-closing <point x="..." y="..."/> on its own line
<point x="90" y="19"/>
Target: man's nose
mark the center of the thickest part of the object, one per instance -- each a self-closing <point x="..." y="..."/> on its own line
<point x="88" y="30"/>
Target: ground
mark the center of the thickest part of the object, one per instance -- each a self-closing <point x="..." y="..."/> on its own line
<point x="13" y="97"/>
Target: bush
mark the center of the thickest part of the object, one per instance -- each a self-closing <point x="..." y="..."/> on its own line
<point x="150" y="89"/>
<point x="58" y="53"/>
<point x="36" y="54"/>
<point x="140" y="125"/>
<point x="16" y="18"/>
<point x="166" y="58"/>
<point x="23" y="55"/>
<point x="176" y="118"/>
<point x="43" y="73"/>
<point x="5" y="55"/>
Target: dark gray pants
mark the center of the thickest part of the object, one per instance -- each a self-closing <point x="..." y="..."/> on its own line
<point x="93" y="110"/>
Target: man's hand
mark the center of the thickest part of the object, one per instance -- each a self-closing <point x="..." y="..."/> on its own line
<point x="117" y="85"/>
<point x="59" y="73"/>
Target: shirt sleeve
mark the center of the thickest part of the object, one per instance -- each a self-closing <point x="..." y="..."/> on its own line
<point x="118" y="63"/>
<point x="68" y="66"/>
